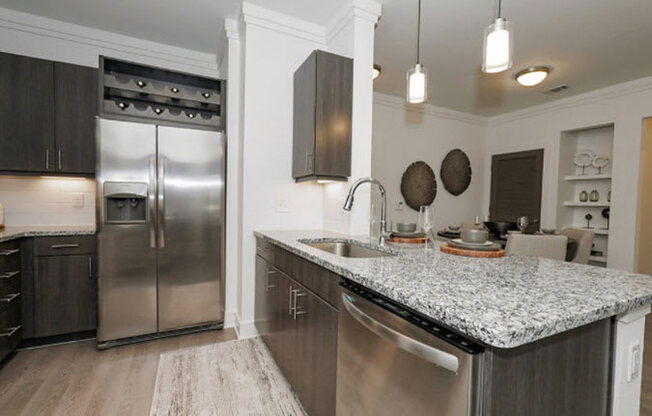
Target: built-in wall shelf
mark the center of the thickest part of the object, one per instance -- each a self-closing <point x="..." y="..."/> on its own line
<point x="598" y="259"/>
<point x="597" y="231"/>
<point x="602" y="177"/>
<point x="586" y="204"/>
<point x="577" y="182"/>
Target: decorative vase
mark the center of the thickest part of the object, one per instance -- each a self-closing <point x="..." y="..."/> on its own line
<point x="595" y="196"/>
<point x="584" y="196"/>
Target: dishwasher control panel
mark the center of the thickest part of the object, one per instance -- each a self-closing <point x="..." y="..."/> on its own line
<point x="415" y="318"/>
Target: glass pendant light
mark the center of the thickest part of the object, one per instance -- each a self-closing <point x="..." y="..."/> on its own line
<point x="417" y="82"/>
<point x="498" y="45"/>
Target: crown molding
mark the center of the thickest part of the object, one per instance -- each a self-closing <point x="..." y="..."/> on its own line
<point x="106" y="41"/>
<point x="282" y="23"/>
<point x="602" y="94"/>
<point x="232" y="27"/>
<point x="368" y="10"/>
<point x="428" y="109"/>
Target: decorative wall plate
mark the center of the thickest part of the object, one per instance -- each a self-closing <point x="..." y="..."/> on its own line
<point x="455" y="172"/>
<point x="583" y="158"/>
<point x="418" y="185"/>
<point x="600" y="162"/>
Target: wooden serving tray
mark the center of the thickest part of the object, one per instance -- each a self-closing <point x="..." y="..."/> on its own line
<point x="472" y="253"/>
<point x="421" y="240"/>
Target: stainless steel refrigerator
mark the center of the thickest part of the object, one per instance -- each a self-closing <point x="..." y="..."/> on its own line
<point x="161" y="219"/>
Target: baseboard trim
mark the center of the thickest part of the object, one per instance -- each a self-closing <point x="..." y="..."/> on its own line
<point x="244" y="329"/>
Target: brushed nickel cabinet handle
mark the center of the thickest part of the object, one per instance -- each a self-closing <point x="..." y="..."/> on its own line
<point x="59" y="157"/>
<point x="9" y="275"/>
<point x="291" y="299"/>
<point x="72" y="245"/>
<point x="267" y="285"/>
<point x="10" y="331"/>
<point x="90" y="268"/>
<point x="9" y="252"/>
<point x="295" y="310"/>
<point x="47" y="159"/>
<point x="9" y="298"/>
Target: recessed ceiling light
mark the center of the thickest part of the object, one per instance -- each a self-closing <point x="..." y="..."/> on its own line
<point x="376" y="71"/>
<point x="532" y="76"/>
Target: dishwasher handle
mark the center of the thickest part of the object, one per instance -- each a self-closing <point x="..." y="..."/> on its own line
<point x="426" y="352"/>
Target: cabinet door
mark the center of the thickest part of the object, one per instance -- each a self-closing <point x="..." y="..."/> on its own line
<point x="26" y="114"/>
<point x="333" y="113"/>
<point x="316" y="350"/>
<point x="75" y="107"/>
<point x="65" y="295"/>
<point x="303" y="152"/>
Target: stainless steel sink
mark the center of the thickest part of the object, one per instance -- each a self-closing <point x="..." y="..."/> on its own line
<point x="348" y="249"/>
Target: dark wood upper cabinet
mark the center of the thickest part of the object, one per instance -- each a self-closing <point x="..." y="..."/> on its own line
<point x="47" y="113"/>
<point x="323" y="98"/>
<point x="75" y="107"/>
<point x="26" y="114"/>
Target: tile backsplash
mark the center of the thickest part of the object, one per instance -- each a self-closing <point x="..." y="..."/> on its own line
<point x="47" y="200"/>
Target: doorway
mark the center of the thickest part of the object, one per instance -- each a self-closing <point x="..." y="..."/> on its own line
<point x="516" y="184"/>
<point x="643" y="258"/>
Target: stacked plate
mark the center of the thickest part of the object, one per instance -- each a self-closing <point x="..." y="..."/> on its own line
<point x="486" y="246"/>
<point x="408" y="234"/>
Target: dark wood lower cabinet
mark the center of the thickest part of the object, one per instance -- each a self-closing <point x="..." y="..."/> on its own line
<point x="65" y="295"/>
<point x="10" y="298"/>
<point x="300" y="330"/>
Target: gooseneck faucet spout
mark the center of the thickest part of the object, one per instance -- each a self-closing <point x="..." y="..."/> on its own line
<point x="348" y="204"/>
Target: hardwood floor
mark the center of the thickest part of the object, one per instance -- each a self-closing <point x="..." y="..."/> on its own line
<point x="76" y="379"/>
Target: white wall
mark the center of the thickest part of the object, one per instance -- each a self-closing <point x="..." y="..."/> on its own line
<point x="40" y="37"/>
<point x="404" y="134"/>
<point x="624" y="105"/>
<point x="47" y="201"/>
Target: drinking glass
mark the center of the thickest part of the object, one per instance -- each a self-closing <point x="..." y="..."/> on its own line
<point x="426" y="221"/>
<point x="522" y="223"/>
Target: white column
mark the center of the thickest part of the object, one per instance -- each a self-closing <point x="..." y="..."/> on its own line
<point x="233" y="289"/>
<point x="352" y="34"/>
<point x="628" y="362"/>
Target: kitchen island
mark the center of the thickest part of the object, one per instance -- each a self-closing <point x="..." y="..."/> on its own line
<point x="511" y="306"/>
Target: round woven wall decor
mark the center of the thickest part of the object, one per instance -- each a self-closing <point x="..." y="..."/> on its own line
<point x="455" y="172"/>
<point x="418" y="185"/>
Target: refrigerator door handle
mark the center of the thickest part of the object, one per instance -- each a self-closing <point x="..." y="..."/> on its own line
<point x="152" y="202"/>
<point x="161" y="202"/>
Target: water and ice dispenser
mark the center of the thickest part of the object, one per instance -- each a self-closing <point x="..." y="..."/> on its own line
<point x="125" y="202"/>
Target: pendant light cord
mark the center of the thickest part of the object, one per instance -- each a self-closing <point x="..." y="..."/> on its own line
<point x="500" y="4"/>
<point x="418" y="30"/>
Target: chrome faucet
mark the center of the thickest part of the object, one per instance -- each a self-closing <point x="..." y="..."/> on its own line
<point x="383" y="207"/>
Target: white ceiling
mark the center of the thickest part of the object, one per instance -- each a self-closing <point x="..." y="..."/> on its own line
<point x="589" y="43"/>
<point x="193" y="24"/>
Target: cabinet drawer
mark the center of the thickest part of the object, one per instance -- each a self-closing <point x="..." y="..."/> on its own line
<point x="10" y="326"/>
<point x="9" y="283"/>
<point x="9" y="257"/>
<point x="62" y="246"/>
<point x="265" y="250"/>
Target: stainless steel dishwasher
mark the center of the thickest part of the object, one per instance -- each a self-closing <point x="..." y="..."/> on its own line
<point x="392" y="361"/>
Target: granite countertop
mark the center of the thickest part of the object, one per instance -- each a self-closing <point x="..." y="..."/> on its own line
<point x="504" y="303"/>
<point x="20" y="231"/>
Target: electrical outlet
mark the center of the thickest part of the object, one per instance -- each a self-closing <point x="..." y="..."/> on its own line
<point x="78" y="200"/>
<point x="282" y="204"/>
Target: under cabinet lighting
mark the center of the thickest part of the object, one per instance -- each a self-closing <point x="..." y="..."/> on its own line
<point x="376" y="71"/>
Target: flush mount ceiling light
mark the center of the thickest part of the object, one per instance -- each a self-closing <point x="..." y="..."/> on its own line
<point x="532" y="76"/>
<point x="417" y="83"/>
<point x="376" y="71"/>
<point x="498" y="45"/>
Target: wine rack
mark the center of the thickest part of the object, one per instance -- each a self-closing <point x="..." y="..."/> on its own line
<point x="134" y="91"/>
